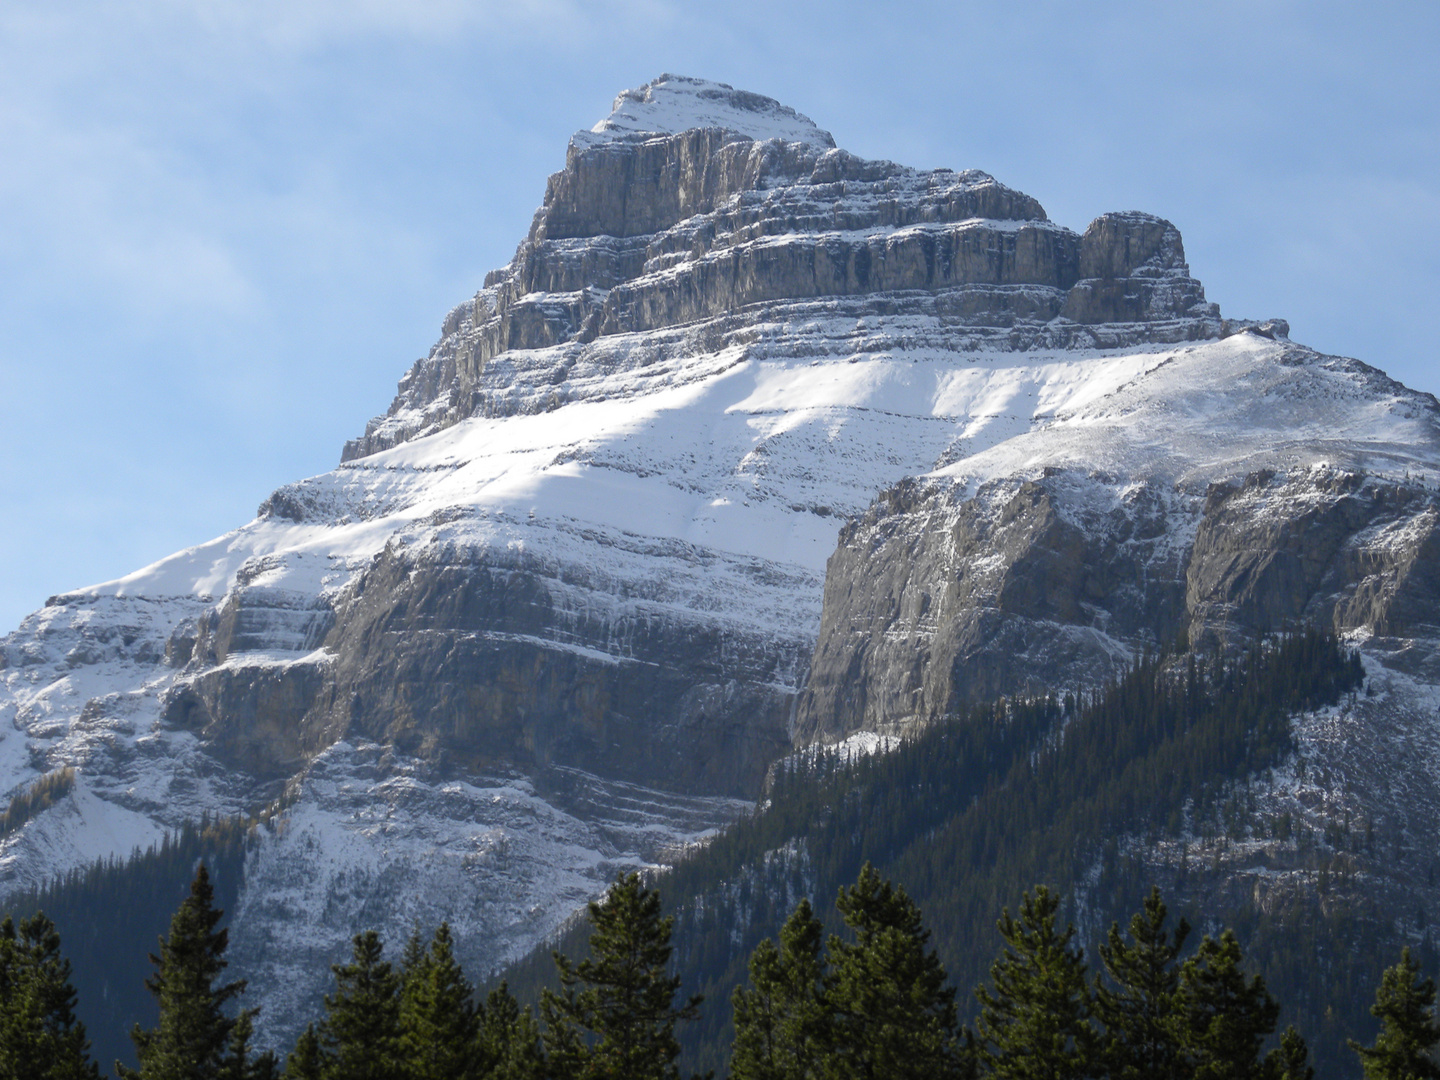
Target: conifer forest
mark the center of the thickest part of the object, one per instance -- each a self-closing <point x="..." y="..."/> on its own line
<point x="939" y="910"/>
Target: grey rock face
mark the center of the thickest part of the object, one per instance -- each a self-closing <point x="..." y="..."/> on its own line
<point x="491" y="663"/>
<point x="563" y="602"/>
<point x="938" y="597"/>
<point x="1132" y="269"/>
<point x="710" y="230"/>
<point x="1272" y="554"/>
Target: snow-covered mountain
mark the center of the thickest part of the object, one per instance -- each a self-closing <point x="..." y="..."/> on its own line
<point x="753" y="442"/>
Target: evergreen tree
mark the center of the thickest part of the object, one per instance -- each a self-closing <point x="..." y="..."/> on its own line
<point x="1225" y="1017"/>
<point x="1291" y="1060"/>
<point x="780" y="1020"/>
<point x="110" y="910"/>
<point x="307" y="1061"/>
<point x="507" y="1039"/>
<point x="1035" y="1022"/>
<point x="192" y="1035"/>
<point x="10" y="993"/>
<point x="438" y="1023"/>
<point x="238" y="1064"/>
<point x="40" y="1037"/>
<point x="361" y="1030"/>
<point x="1405" y="1007"/>
<point x="893" y="1013"/>
<point x="615" y="1015"/>
<point x="1140" y="1008"/>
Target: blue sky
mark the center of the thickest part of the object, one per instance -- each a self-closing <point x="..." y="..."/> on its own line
<point x="229" y="226"/>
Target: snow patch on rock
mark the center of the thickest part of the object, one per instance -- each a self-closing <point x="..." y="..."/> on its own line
<point x="674" y="103"/>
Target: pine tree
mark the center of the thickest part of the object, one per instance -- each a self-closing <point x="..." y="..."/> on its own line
<point x="1035" y="1022"/>
<point x="307" y="1061"/>
<point x="40" y="1037"/>
<point x="1140" y="1008"/>
<point x="1409" y="1033"/>
<point x="238" y="1064"/>
<point x="361" y="1030"/>
<point x="193" y="1033"/>
<point x="780" y="1020"/>
<point x="507" y="1039"/>
<point x="10" y="993"/>
<point x="1225" y="1017"/>
<point x="1290" y="1061"/>
<point x="893" y="1013"/>
<point x="438" y="1024"/>
<point x="615" y="1015"/>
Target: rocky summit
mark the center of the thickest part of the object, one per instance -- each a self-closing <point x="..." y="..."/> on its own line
<point x="753" y="444"/>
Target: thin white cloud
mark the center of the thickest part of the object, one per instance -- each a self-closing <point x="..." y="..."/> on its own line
<point x="311" y="23"/>
<point x="96" y="207"/>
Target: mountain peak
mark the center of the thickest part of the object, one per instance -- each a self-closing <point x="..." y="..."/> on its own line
<point x="675" y="103"/>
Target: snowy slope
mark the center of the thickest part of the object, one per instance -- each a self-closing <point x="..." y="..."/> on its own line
<point x="651" y="427"/>
<point x="674" y="103"/>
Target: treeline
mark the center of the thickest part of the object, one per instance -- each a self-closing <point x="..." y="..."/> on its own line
<point x="873" y="1002"/>
<point x="113" y="910"/>
<point x="40" y="795"/>
<point x="968" y="813"/>
<point x="1073" y="789"/>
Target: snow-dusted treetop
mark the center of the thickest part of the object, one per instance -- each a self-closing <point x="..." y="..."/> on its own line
<point x="674" y="103"/>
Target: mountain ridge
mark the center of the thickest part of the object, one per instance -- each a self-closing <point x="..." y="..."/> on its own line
<point x="678" y="491"/>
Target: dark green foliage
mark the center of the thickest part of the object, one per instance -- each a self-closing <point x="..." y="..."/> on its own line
<point x="1137" y="1006"/>
<point x="508" y="1039"/>
<point x="782" y="1023"/>
<point x="307" y="1060"/>
<point x="1322" y="956"/>
<point x="192" y="1035"/>
<point x="1291" y="1061"/>
<point x="439" y="1028"/>
<point x="972" y="810"/>
<point x="1225" y="1017"/>
<point x="361" y="1030"/>
<point x="615" y="1014"/>
<point x="1405" y="1007"/>
<point x="892" y="1014"/>
<point x="239" y="1063"/>
<point x="1035" y="1015"/>
<point x="107" y="913"/>
<point x="40" y="1037"/>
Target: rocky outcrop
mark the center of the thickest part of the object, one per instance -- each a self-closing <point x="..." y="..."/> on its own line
<point x="250" y="715"/>
<point x="1132" y="269"/>
<point x="499" y="663"/>
<point x="568" y="598"/>
<point x="1274" y="553"/>
<point x="939" y="597"/>
<point x="653" y="232"/>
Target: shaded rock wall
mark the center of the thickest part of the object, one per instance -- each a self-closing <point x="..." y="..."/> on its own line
<point x="1275" y="552"/>
<point x="497" y="660"/>
<point x="938" y="597"/>
<point x="491" y="660"/>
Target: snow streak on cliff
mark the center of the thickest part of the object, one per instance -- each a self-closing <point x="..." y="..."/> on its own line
<point x="554" y="612"/>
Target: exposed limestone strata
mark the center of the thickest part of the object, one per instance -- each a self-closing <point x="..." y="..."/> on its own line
<point x="955" y="590"/>
<point x="568" y="597"/>
<point x="504" y="663"/>
<point x="646" y="235"/>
